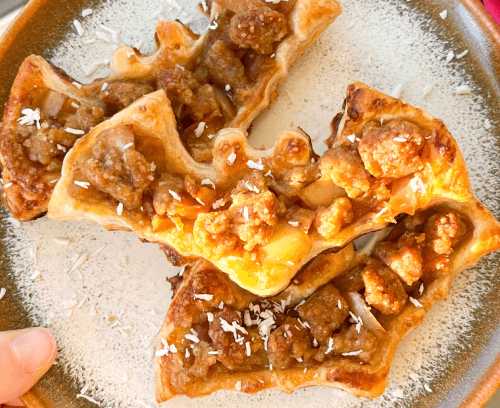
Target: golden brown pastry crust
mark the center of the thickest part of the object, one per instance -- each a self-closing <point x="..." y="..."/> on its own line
<point x="154" y="121"/>
<point x="443" y="177"/>
<point x="447" y="174"/>
<point x="366" y="380"/>
<point x="25" y="198"/>
<point x="177" y="45"/>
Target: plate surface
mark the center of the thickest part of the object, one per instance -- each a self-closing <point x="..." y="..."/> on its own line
<point x="455" y="353"/>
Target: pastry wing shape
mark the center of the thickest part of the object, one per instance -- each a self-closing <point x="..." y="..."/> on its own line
<point x="258" y="215"/>
<point x="28" y="182"/>
<point x="46" y="113"/>
<point x="132" y="159"/>
<point x="320" y="330"/>
<point x="238" y="63"/>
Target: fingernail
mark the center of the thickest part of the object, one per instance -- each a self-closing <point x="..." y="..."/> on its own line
<point x="33" y="349"/>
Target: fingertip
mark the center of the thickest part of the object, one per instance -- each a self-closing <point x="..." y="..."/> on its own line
<point x="34" y="349"/>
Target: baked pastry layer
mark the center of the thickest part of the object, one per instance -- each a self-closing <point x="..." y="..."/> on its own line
<point x="337" y="325"/>
<point x="46" y="113"/>
<point x="224" y="78"/>
<point x="260" y="216"/>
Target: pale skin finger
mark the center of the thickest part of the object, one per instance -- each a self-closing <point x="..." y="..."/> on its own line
<point x="25" y="356"/>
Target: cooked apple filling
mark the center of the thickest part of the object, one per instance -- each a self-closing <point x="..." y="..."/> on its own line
<point x="238" y="52"/>
<point x="318" y="200"/>
<point x="52" y="124"/>
<point x="216" y="333"/>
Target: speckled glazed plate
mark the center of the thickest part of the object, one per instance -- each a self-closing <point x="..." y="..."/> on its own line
<point x="455" y="354"/>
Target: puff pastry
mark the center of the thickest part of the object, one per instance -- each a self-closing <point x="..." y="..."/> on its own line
<point x="46" y="112"/>
<point x="230" y="74"/>
<point x="260" y="216"/>
<point x="226" y="77"/>
<point x="218" y="336"/>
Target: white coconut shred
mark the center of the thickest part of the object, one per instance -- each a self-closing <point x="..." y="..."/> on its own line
<point x="106" y="311"/>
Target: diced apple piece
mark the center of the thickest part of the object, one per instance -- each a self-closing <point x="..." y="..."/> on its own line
<point x="403" y="196"/>
<point x="161" y="223"/>
<point x="358" y="306"/>
<point x="227" y="107"/>
<point x="188" y="208"/>
<point x="178" y="223"/>
<point x="321" y="193"/>
<point x="52" y="103"/>
<point x="288" y="245"/>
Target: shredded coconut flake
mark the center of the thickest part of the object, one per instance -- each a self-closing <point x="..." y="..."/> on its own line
<point x="199" y="129"/>
<point x="231" y="158"/>
<point x="62" y="241"/>
<point x="294" y="223"/>
<point x="30" y="117"/>
<point x="415" y="302"/>
<point x="255" y="165"/>
<point x="83" y="184"/>
<point x="86" y="12"/>
<point x="444" y="14"/>
<point x="119" y="209"/>
<point x="203" y="297"/>
<point x="79" y="29"/>
<point x="102" y="36"/>
<point x="330" y="346"/>
<point x="2" y="293"/>
<point x="463" y="90"/>
<point x="35" y="274"/>
<point x="427" y="90"/>
<point x="114" y="35"/>
<point x="92" y="400"/>
<point x="175" y="195"/>
<point x="238" y="386"/>
<point x="397" y="92"/>
<point x="208" y="182"/>
<point x="351" y="138"/>
<point x="192" y="338"/>
<point x="450" y="56"/>
<point x="352" y="353"/>
<point x="462" y="54"/>
<point x="382" y="211"/>
<point x="74" y="131"/>
<point x="82" y="258"/>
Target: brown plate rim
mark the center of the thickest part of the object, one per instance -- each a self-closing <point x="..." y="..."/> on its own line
<point x="489" y="383"/>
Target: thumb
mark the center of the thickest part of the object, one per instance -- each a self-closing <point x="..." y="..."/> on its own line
<point x="25" y="356"/>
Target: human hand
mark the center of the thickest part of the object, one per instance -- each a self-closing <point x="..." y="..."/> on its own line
<point x="25" y="356"/>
